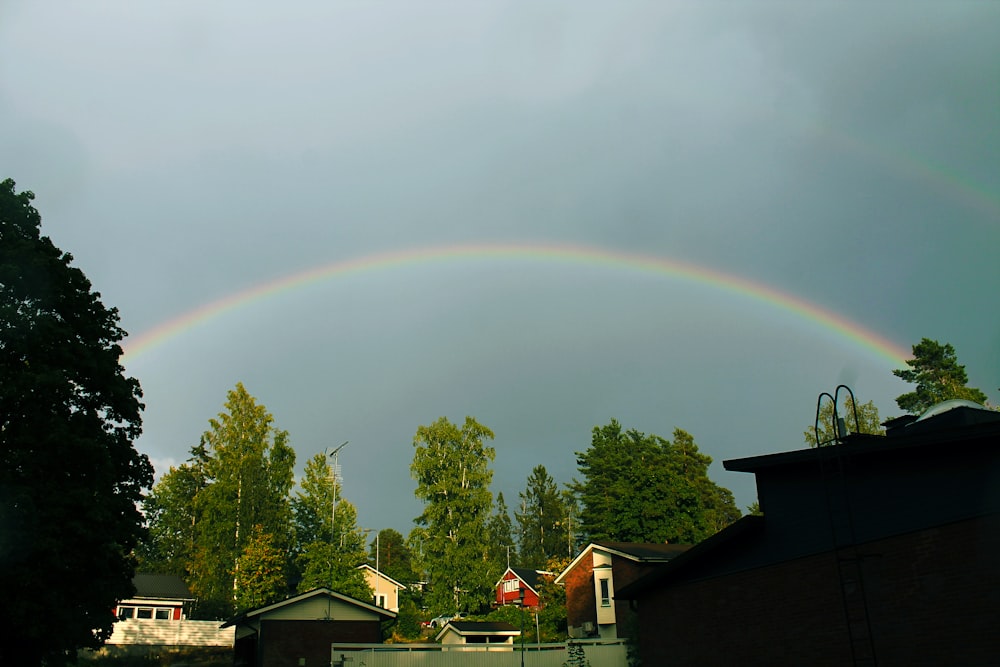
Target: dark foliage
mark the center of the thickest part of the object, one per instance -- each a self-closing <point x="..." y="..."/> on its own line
<point x="70" y="477"/>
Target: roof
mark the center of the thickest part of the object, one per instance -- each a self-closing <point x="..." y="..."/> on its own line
<point x="531" y="578"/>
<point x="934" y="433"/>
<point x="382" y="575"/>
<point x="748" y="526"/>
<point x="466" y="628"/>
<point x="639" y="552"/>
<point x="161" y="587"/>
<point x="295" y="599"/>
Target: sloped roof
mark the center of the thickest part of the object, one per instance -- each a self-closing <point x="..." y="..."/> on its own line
<point x="640" y="552"/>
<point x="474" y="628"/>
<point x="531" y="578"/>
<point x="161" y="587"/>
<point x="295" y="599"/>
<point x="382" y="575"/>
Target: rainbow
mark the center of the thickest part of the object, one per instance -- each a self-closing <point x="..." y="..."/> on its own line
<point x="542" y="253"/>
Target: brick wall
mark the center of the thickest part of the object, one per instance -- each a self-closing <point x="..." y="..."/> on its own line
<point x="932" y="598"/>
<point x="581" y="604"/>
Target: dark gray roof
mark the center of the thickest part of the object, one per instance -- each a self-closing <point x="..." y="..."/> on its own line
<point x="530" y="577"/>
<point x="161" y="587"/>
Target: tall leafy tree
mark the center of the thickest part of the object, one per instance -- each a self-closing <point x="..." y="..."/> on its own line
<point x="541" y="521"/>
<point x="935" y="370"/>
<point x="248" y="466"/>
<point x="868" y="421"/>
<point x="70" y="477"/>
<point x="328" y="550"/>
<point x="451" y="465"/>
<point x="643" y="488"/>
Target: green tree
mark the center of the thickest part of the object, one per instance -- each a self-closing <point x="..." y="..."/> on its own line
<point x="170" y="513"/>
<point x="452" y="468"/>
<point x="328" y="553"/>
<point x="938" y="376"/>
<point x="541" y="521"/>
<point x="394" y="557"/>
<point x="70" y="477"/>
<point x="868" y="422"/>
<point x="260" y="571"/>
<point x="248" y="466"/>
<point x="643" y="488"/>
<point x="500" y="532"/>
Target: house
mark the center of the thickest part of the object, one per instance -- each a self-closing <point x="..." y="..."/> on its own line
<point x="477" y="632"/>
<point x="877" y="550"/>
<point x="592" y="578"/>
<point x="156" y="616"/>
<point x="300" y="630"/>
<point x="519" y="586"/>
<point x="157" y="596"/>
<point x="385" y="589"/>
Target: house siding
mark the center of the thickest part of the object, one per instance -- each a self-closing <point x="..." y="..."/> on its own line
<point x="581" y="601"/>
<point x="930" y="597"/>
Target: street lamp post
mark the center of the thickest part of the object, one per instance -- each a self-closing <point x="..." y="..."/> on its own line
<point x="520" y="597"/>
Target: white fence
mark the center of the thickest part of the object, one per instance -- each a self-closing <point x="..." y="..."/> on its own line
<point x="155" y="632"/>
<point x="599" y="653"/>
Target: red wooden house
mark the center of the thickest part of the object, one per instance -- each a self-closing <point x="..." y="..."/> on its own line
<point x="514" y="581"/>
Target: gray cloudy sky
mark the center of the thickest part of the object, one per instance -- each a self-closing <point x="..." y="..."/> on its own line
<point x="847" y="154"/>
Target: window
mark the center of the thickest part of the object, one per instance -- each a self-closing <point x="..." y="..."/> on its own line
<point x="605" y="594"/>
<point x="163" y="614"/>
<point x="126" y="612"/>
<point x="380" y="601"/>
<point x="511" y="586"/>
<point x="144" y="613"/>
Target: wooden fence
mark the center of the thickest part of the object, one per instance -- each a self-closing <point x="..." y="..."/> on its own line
<point x="146" y="632"/>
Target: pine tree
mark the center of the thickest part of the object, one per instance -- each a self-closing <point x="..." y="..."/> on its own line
<point x="938" y="376"/>
<point x="540" y="522"/>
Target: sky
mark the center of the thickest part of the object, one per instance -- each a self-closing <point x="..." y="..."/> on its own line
<point x="542" y="215"/>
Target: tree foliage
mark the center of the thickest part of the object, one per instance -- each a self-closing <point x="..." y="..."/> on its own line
<point x="938" y="377"/>
<point x="260" y="571"/>
<point x="868" y="421"/>
<point x="644" y="488"/>
<point x="451" y="466"/>
<point x="541" y="523"/>
<point x="328" y="550"/>
<point x="203" y="514"/>
<point x="500" y="532"/>
<point x="70" y="477"/>
<point x="394" y="557"/>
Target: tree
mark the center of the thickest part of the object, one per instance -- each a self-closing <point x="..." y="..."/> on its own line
<point x="70" y="477"/>
<point x="394" y="557"/>
<point x="260" y="571"/>
<point x="328" y="553"/>
<point x="868" y="421"/>
<point x="540" y="522"/>
<point x="500" y="531"/>
<point x="452" y="468"/>
<point x="248" y="467"/>
<point x="170" y="513"/>
<point x="938" y="376"/>
<point x="643" y="488"/>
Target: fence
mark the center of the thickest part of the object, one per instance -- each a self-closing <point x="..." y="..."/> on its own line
<point x="607" y="653"/>
<point x="155" y="632"/>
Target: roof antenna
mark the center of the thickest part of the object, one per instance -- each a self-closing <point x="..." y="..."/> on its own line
<point x="840" y="430"/>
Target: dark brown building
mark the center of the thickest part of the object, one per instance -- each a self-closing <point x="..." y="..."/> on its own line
<point x="299" y="631"/>
<point x="875" y="551"/>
